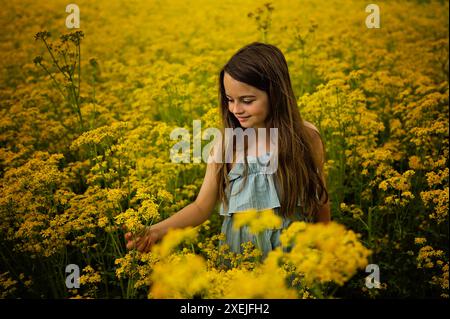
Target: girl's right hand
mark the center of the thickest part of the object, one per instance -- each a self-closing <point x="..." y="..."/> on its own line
<point x="142" y="242"/>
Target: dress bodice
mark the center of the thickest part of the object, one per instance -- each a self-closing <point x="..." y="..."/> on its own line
<point x="260" y="191"/>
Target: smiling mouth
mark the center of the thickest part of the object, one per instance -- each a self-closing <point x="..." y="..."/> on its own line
<point x="242" y="117"/>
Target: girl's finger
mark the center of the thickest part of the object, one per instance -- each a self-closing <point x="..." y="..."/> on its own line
<point x="149" y="246"/>
<point x="146" y="249"/>
<point x="128" y="236"/>
<point x="133" y="242"/>
<point x="130" y="244"/>
<point x="142" y="244"/>
<point x="152" y="238"/>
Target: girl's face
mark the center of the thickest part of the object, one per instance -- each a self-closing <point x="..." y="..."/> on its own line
<point x="248" y="104"/>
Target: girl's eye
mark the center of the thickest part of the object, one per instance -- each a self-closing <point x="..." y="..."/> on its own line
<point x="245" y="101"/>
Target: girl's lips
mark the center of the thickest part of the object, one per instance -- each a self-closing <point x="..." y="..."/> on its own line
<point x="243" y="119"/>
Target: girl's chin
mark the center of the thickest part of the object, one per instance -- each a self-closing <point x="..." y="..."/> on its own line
<point x="248" y="125"/>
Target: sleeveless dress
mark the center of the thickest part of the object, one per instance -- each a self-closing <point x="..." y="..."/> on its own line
<point x="260" y="192"/>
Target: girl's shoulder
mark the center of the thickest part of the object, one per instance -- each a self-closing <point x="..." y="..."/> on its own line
<point x="311" y="126"/>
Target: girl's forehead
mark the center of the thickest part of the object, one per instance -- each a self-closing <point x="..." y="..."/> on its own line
<point x="236" y="88"/>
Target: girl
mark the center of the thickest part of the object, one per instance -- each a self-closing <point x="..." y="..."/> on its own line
<point x="255" y="92"/>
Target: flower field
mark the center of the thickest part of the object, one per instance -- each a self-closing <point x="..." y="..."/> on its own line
<point x="86" y="118"/>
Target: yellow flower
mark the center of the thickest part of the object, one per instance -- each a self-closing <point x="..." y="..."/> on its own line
<point x="257" y="221"/>
<point x="173" y="238"/>
<point x="7" y="285"/>
<point x="289" y="234"/>
<point x="244" y="218"/>
<point x="181" y="276"/>
<point x="135" y="221"/>
<point x="131" y="219"/>
<point x="260" y="283"/>
<point x="383" y="185"/>
<point x="414" y="163"/>
<point x="102" y="222"/>
<point x="148" y="211"/>
<point x="90" y="276"/>
<point x="420" y="240"/>
<point x="325" y="252"/>
<point x="165" y="195"/>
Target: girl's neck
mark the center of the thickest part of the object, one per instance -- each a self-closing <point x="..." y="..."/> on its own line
<point x="261" y="146"/>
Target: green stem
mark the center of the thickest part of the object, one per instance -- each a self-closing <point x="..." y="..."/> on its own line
<point x="259" y="241"/>
<point x="316" y="289"/>
<point x="118" y="253"/>
<point x="53" y="58"/>
<point x="79" y="70"/>
<point x="54" y="80"/>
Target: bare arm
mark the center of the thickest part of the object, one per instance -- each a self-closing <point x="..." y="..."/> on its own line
<point x="196" y="212"/>
<point x="324" y="214"/>
<point x="193" y="214"/>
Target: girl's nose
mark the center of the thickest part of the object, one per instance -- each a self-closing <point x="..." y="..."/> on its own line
<point x="236" y="108"/>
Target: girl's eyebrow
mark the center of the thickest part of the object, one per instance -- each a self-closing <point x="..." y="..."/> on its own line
<point x="243" y="96"/>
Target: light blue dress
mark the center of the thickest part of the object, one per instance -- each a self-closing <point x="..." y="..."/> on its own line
<point x="260" y="192"/>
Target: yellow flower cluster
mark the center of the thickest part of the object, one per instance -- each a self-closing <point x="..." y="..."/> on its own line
<point x="89" y="276"/>
<point x="264" y="282"/>
<point x="173" y="238"/>
<point x="442" y="280"/>
<point x="182" y="276"/>
<point x="257" y="221"/>
<point x="324" y="253"/>
<point x="434" y="260"/>
<point x="7" y="284"/>
<point x="320" y="253"/>
<point x="102" y="136"/>
<point x="136" y="221"/>
<point x="353" y="209"/>
<point x="426" y="256"/>
<point x="438" y="197"/>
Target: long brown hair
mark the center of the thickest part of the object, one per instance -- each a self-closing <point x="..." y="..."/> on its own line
<point x="264" y="67"/>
